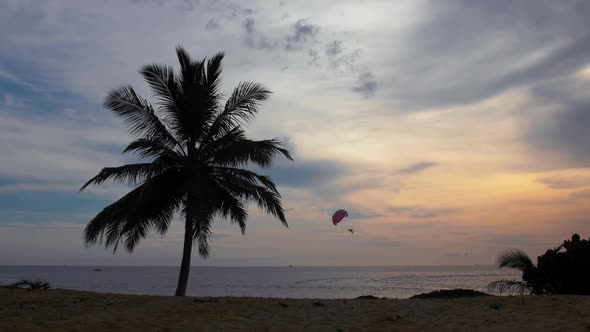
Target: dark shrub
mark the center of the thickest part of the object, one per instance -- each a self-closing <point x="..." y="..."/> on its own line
<point x="562" y="270"/>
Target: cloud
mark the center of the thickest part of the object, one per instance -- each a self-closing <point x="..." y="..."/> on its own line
<point x="220" y="235"/>
<point x="507" y="240"/>
<point x="417" y="225"/>
<point x="249" y="25"/>
<point x="334" y="48"/>
<point x="381" y="242"/>
<point x="8" y="100"/>
<point x="418" y="212"/>
<point x="344" y="60"/>
<point x="28" y="187"/>
<point x="459" y="254"/>
<point x="306" y="173"/>
<point x="70" y="59"/>
<point x="313" y="54"/>
<point x="362" y="215"/>
<point x="418" y="167"/>
<point x="580" y="195"/>
<point x="255" y="39"/>
<point x="565" y="182"/>
<point x="366" y="85"/>
<point x="303" y="32"/>
<point x="449" y="59"/>
<point x="56" y="150"/>
<point x="8" y="76"/>
<point x="564" y="135"/>
<point x="555" y="127"/>
<point x="38" y="187"/>
<point x="212" y="24"/>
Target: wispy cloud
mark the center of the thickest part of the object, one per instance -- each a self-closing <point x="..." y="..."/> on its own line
<point x="6" y="75"/>
<point x="566" y="181"/>
<point x="35" y="148"/>
<point x="383" y="242"/>
<point x="418" y="167"/>
<point x="307" y="173"/>
<point x="459" y="254"/>
<point x="212" y="24"/>
<point x="580" y="195"/>
<point x="366" y="84"/>
<point x="520" y="56"/>
<point x="303" y="32"/>
<point x="255" y="39"/>
<point x="421" y="212"/>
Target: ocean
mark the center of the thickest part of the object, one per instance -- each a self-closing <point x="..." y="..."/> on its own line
<point x="292" y="282"/>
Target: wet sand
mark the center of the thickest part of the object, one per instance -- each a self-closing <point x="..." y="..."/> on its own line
<point x="66" y="310"/>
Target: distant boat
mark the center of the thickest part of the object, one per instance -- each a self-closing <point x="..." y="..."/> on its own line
<point x="97" y="270"/>
<point x="290" y="265"/>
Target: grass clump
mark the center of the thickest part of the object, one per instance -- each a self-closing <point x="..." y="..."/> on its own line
<point x="31" y="284"/>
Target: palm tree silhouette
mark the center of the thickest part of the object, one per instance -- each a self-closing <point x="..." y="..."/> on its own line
<point x="517" y="259"/>
<point x="196" y="152"/>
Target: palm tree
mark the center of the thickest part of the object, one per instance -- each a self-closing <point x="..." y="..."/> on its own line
<point x="195" y="152"/>
<point x="517" y="259"/>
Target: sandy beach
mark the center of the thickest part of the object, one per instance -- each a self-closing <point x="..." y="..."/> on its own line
<point x="66" y="310"/>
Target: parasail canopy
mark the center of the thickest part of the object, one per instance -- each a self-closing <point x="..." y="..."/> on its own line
<point x="338" y="216"/>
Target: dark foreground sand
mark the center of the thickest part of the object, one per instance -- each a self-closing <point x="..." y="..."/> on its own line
<point x="65" y="310"/>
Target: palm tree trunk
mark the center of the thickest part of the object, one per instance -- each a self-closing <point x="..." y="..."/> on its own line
<point x="185" y="265"/>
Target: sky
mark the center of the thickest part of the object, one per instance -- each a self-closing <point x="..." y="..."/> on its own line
<point x="450" y="130"/>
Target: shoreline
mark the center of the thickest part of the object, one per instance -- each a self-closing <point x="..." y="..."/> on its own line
<point x="59" y="309"/>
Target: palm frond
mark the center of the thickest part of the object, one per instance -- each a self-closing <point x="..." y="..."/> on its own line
<point x="149" y="206"/>
<point x="137" y="114"/>
<point x="245" y="175"/>
<point x="158" y="219"/>
<point x="232" y="208"/>
<point x="191" y="71"/>
<point x="229" y="137"/>
<point x="131" y="174"/>
<point x="202" y="227"/>
<point x="241" y="107"/>
<point x="184" y="60"/>
<point x="508" y="286"/>
<point x="194" y="113"/>
<point x="516" y="259"/>
<point x="214" y="70"/>
<point x="244" y="151"/>
<point x="199" y="208"/>
<point x="150" y="148"/>
<point x="202" y="235"/>
<point x="210" y="100"/>
<point x="267" y="199"/>
<point x="166" y="89"/>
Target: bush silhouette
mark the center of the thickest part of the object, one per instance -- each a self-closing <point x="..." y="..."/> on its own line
<point x="562" y="270"/>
